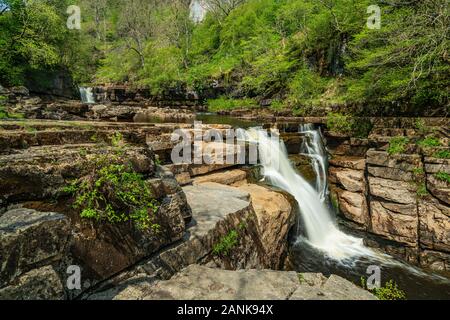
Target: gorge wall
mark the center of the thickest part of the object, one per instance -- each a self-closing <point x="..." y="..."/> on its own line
<point x="396" y="199"/>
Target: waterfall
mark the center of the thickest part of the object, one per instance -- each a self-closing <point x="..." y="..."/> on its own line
<point x="312" y="147"/>
<point x="86" y="95"/>
<point x="321" y="230"/>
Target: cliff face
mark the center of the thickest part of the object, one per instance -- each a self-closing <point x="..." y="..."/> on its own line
<point x="397" y="199"/>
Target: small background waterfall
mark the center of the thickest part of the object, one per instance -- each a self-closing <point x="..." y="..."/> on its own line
<point x="86" y="95"/>
<point x="323" y="247"/>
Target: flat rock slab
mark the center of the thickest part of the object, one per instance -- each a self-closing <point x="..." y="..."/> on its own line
<point x="333" y="288"/>
<point x="228" y="177"/>
<point x="203" y="283"/>
<point x="211" y="202"/>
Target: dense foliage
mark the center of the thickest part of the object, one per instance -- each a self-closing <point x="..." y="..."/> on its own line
<point x="300" y="53"/>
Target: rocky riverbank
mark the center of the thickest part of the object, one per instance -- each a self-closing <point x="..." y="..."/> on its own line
<point x="211" y="218"/>
<point x="42" y="235"/>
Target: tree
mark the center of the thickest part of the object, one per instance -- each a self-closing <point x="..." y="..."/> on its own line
<point x="221" y="8"/>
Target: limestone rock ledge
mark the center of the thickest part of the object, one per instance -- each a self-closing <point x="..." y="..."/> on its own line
<point x="203" y="283"/>
<point x="250" y="212"/>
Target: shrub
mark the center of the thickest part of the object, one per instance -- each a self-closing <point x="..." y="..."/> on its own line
<point x="226" y="244"/>
<point x="397" y="145"/>
<point x="389" y="292"/>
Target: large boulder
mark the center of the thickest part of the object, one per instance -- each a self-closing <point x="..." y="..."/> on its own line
<point x="28" y="239"/>
<point x="37" y="284"/>
<point x="276" y="216"/>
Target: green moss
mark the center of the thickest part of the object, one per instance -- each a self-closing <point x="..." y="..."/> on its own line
<point x="443" y="176"/>
<point x="226" y="244"/>
<point x="301" y="278"/>
<point x="349" y="125"/>
<point x="397" y="145"/>
<point x="334" y="201"/>
<point x="429" y="142"/>
<point x="340" y="123"/>
<point x="442" y="154"/>
<point x="4" y="114"/>
<point x="227" y="104"/>
<point x="422" y="190"/>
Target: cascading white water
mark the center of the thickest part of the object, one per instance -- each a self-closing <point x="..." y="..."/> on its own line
<point x="321" y="231"/>
<point x="86" y="95"/>
<point x="313" y="147"/>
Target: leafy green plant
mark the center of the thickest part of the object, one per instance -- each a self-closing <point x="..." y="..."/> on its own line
<point x="277" y="105"/>
<point x="429" y="142"/>
<point x="116" y="139"/>
<point x="397" y="145"/>
<point x="421" y="127"/>
<point x="390" y="291"/>
<point x="362" y="128"/>
<point x="114" y="192"/>
<point x="443" y="176"/>
<point x="418" y="171"/>
<point x="226" y="244"/>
